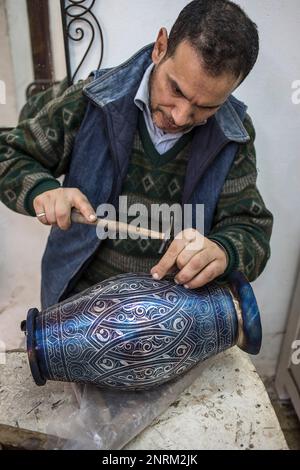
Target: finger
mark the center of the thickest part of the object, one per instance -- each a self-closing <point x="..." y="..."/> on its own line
<point x="197" y="240"/>
<point x="49" y="205"/>
<point x="81" y="203"/>
<point x="185" y="256"/>
<point x="63" y="214"/>
<point x="169" y="259"/>
<point x="43" y="218"/>
<point x="208" y="274"/>
<point x="196" y="264"/>
<point x="39" y="209"/>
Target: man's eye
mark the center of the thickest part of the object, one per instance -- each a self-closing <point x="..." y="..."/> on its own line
<point x="177" y="91"/>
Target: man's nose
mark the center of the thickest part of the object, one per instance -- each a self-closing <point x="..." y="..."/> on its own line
<point x="182" y="115"/>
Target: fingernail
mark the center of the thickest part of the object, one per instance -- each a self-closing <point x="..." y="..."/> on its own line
<point x="92" y="217"/>
<point x="155" y="276"/>
<point x="186" y="286"/>
<point x="177" y="282"/>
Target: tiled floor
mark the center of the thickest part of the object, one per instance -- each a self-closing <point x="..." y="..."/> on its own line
<point x="286" y="415"/>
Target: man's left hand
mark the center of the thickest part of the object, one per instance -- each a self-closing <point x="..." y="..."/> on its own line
<point x="198" y="259"/>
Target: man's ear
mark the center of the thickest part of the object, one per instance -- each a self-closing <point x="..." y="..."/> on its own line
<point x="160" y="46"/>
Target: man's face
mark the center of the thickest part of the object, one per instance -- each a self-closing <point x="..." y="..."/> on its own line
<point x="182" y="93"/>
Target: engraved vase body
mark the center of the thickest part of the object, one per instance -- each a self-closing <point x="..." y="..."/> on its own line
<point x="132" y="332"/>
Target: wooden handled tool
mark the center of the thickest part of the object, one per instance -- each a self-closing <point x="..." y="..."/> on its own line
<point x="119" y="227"/>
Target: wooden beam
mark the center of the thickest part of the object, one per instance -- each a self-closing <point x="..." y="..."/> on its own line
<point x="39" y="24"/>
<point x="23" y="439"/>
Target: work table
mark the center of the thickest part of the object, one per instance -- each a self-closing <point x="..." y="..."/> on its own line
<point x="226" y="407"/>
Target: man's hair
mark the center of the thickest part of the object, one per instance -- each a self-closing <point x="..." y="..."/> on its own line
<point x="221" y="33"/>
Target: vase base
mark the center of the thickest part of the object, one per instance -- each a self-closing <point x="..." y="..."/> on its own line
<point x="28" y="327"/>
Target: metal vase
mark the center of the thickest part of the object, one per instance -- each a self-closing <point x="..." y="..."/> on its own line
<point x="131" y="332"/>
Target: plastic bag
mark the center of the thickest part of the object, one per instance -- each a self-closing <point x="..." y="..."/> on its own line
<point x="109" y="419"/>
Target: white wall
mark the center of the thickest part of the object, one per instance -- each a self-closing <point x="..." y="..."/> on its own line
<point x="20" y="44"/>
<point x="57" y="40"/>
<point x="127" y="26"/>
<point x="268" y="92"/>
<point x="8" y="106"/>
<point x="16" y="26"/>
<point x="130" y="24"/>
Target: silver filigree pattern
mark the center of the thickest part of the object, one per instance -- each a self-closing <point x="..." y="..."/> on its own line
<point x="132" y="332"/>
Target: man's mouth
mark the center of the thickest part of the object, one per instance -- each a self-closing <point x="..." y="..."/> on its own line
<point x="169" y="125"/>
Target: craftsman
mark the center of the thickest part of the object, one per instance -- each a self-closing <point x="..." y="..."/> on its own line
<point x="161" y="128"/>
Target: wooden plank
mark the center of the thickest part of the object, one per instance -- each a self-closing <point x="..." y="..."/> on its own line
<point x="23" y="439"/>
<point x="40" y="39"/>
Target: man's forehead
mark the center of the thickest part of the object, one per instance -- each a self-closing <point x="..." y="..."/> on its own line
<point x="187" y="69"/>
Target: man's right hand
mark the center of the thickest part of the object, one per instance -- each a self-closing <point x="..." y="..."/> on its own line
<point x="57" y="205"/>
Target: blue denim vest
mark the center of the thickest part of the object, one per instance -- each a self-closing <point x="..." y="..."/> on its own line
<point x="100" y="159"/>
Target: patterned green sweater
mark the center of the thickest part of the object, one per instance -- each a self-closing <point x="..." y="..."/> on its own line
<point x="151" y="179"/>
<point x="38" y="151"/>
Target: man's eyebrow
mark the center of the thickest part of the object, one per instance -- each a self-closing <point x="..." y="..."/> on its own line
<point x="175" y="84"/>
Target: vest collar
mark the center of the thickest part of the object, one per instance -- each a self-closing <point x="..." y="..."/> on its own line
<point x="116" y="83"/>
<point x="230" y="122"/>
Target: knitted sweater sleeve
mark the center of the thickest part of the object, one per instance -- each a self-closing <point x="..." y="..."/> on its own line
<point x="38" y="150"/>
<point x="242" y="223"/>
